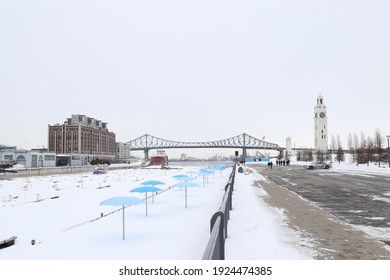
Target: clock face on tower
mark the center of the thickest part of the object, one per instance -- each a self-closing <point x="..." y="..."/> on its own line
<point x="322" y="115"/>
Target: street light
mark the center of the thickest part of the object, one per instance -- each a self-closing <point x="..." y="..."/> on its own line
<point x="388" y="148"/>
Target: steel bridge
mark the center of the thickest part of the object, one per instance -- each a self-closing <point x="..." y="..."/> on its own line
<point x="243" y="141"/>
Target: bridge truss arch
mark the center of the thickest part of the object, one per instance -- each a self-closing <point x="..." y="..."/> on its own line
<point x="243" y="141"/>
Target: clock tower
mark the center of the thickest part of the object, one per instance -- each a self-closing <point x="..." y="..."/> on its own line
<point x="320" y="125"/>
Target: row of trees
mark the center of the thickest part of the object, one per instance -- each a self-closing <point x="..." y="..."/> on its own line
<point x="368" y="149"/>
<point x="364" y="150"/>
<point x="311" y="155"/>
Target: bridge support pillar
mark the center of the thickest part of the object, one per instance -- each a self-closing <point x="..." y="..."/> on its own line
<point x="243" y="153"/>
<point x="146" y="154"/>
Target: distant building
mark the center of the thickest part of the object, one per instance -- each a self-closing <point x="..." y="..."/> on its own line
<point x="183" y="157"/>
<point x="6" y="154"/>
<point x="123" y="151"/>
<point x="7" y="148"/>
<point x="289" y="151"/>
<point x="81" y="139"/>
<point x="29" y="159"/>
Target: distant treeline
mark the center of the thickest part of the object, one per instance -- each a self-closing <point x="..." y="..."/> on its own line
<point x="363" y="149"/>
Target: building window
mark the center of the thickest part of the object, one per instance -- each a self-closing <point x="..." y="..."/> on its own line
<point x="50" y="157"/>
<point x="8" y="157"/>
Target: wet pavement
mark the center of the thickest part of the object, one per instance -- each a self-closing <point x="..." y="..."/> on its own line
<point x="332" y="207"/>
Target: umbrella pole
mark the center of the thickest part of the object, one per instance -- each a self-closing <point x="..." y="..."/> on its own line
<point x="146" y="203"/>
<point x="123" y="222"/>
<point x="186" y="196"/>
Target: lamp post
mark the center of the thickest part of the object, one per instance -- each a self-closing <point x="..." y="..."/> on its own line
<point x="388" y="148"/>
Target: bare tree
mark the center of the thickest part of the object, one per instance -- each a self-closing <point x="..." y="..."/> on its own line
<point x="370" y="150"/>
<point x="356" y="147"/>
<point x="299" y="155"/>
<point x="320" y="156"/>
<point x="334" y="143"/>
<point x="339" y="144"/>
<point x="333" y="147"/>
<point x="363" y="141"/>
<point x="340" y="153"/>
<point x="362" y="149"/>
<point x="378" y="143"/>
<point x="307" y="155"/>
<point x="310" y="155"/>
<point x="351" y="147"/>
<point x="356" y="141"/>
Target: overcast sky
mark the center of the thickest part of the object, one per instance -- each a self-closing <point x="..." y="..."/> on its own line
<point x="194" y="70"/>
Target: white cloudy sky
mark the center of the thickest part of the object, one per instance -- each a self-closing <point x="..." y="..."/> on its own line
<point x="194" y="70"/>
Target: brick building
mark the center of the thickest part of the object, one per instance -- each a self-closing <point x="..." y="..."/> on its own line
<point x="81" y="135"/>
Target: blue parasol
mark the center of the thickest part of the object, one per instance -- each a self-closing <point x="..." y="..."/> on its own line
<point x="152" y="183"/>
<point x="218" y="167"/>
<point x="185" y="185"/>
<point x="122" y="200"/>
<point x="145" y="190"/>
<point x="185" y="178"/>
<point x="205" y="173"/>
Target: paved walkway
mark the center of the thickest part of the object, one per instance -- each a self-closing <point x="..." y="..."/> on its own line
<point x="333" y="239"/>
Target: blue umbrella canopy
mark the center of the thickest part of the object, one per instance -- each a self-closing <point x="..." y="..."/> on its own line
<point x="185" y="178"/>
<point x="146" y="189"/>
<point x="205" y="171"/>
<point x="217" y="167"/>
<point x="191" y="172"/>
<point x="185" y="185"/>
<point x="179" y="176"/>
<point x="152" y="183"/>
<point x="122" y="200"/>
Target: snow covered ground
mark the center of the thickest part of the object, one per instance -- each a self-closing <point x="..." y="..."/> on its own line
<point x="62" y="214"/>
<point x="66" y="225"/>
<point x="62" y="229"/>
<point x="257" y="231"/>
<point x="56" y="212"/>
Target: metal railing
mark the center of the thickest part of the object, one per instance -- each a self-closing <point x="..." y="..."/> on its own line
<point x="215" y="249"/>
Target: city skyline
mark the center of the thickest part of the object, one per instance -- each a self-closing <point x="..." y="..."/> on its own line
<point x="195" y="71"/>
